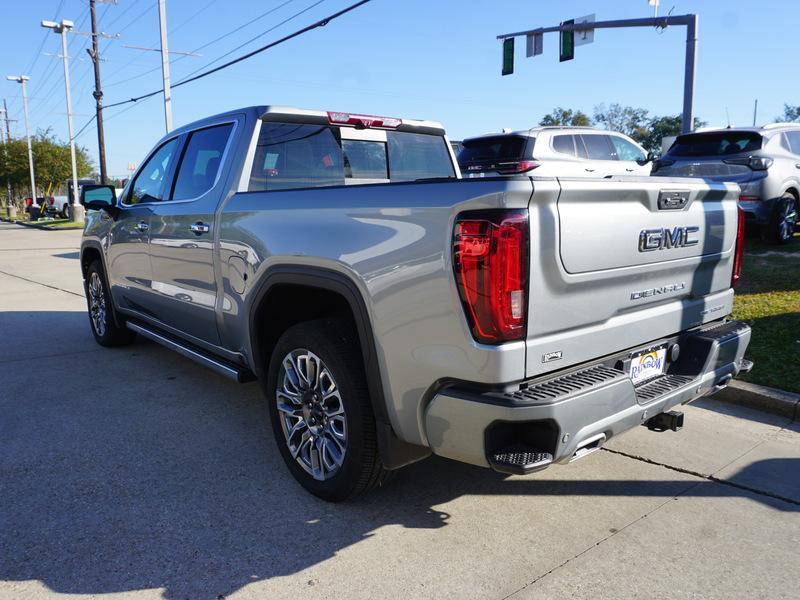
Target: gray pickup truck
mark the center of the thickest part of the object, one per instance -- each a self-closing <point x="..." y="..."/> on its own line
<point x="392" y="310"/>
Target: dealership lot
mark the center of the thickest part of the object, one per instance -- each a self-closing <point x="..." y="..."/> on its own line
<point x="137" y="473"/>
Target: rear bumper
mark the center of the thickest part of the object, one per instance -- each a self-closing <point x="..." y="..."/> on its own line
<point x="757" y="212"/>
<point x="569" y="414"/>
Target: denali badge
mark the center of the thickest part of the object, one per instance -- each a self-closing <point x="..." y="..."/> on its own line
<point x="551" y="356"/>
<point x="666" y="238"/>
<point x="666" y="289"/>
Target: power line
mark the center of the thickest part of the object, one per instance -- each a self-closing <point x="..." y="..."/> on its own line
<point x="317" y="24"/>
<point x="206" y="45"/>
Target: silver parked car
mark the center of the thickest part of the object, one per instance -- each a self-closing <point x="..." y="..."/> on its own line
<point x="555" y="152"/>
<point x="764" y="161"/>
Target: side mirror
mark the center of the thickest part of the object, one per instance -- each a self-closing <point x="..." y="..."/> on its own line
<point x="98" y="197"/>
<point x="651" y="157"/>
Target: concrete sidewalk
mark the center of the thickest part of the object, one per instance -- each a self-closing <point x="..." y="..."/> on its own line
<point x="136" y="473"/>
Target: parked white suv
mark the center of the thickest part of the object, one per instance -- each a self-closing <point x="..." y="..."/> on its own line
<point x="554" y="151"/>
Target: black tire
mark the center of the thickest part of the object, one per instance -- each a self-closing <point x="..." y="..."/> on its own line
<point x="104" y="327"/>
<point x="335" y="345"/>
<point x="784" y="220"/>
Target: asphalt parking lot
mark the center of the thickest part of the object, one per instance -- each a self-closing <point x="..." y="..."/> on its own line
<point x="136" y="473"/>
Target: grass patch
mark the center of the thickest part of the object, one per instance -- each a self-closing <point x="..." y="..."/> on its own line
<point x="61" y="224"/>
<point x="768" y="298"/>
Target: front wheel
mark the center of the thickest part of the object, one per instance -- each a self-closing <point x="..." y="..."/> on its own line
<point x="101" y="310"/>
<point x="784" y="220"/>
<point x="320" y="410"/>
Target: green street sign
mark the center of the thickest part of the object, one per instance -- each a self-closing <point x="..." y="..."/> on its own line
<point x="566" y="43"/>
<point x="508" y="56"/>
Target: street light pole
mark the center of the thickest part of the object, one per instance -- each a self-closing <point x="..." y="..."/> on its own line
<point x="162" y="23"/>
<point x="22" y="79"/>
<point x="76" y="210"/>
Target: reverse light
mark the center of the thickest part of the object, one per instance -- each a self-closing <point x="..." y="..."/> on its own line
<point x="738" y="255"/>
<point x="521" y="166"/>
<point x="490" y="257"/>
<point x="364" y="121"/>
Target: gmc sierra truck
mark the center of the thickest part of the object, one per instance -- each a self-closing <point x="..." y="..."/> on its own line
<point x="391" y="309"/>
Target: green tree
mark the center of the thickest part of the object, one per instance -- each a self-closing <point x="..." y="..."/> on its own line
<point x="633" y="122"/>
<point x="790" y="114"/>
<point x="51" y="162"/>
<point x="566" y="116"/>
<point x="661" y="127"/>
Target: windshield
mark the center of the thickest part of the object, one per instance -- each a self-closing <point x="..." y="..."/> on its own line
<point x="717" y="143"/>
<point x="499" y="148"/>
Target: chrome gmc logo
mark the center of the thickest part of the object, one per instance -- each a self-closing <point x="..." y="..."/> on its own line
<point x="666" y="238"/>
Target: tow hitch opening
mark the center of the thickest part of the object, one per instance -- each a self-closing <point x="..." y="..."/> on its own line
<point x="672" y="420"/>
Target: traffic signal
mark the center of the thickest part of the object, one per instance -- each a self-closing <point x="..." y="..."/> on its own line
<point x="566" y="43"/>
<point x="508" y="56"/>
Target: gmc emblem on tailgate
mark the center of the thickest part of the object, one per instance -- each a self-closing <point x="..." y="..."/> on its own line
<point x="666" y="238"/>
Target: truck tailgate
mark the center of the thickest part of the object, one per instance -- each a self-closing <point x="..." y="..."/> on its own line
<point x="618" y="263"/>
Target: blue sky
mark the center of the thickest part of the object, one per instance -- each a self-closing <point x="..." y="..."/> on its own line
<point x="435" y="59"/>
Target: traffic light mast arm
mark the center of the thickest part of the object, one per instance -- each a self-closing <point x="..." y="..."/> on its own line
<point x="690" y="21"/>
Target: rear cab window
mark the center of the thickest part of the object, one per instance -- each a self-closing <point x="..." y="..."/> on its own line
<point x="303" y="155"/>
<point x="716" y="143"/>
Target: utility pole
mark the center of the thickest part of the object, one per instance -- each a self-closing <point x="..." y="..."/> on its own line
<point x="8" y="121"/>
<point x="76" y="210"/>
<point x="98" y="95"/>
<point x="690" y="21"/>
<point x="22" y="79"/>
<point x="10" y="208"/>
<point x="162" y="23"/>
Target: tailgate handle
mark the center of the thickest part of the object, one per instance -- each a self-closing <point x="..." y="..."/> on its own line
<point x="672" y="199"/>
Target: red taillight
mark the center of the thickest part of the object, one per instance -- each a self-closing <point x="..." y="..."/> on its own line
<point x="29" y="201"/>
<point x="738" y="255"/>
<point x="522" y="166"/>
<point x="364" y="121"/>
<point x="749" y="198"/>
<point x="490" y="255"/>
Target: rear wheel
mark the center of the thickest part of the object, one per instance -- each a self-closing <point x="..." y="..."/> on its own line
<point x="320" y="409"/>
<point x="101" y="310"/>
<point x="784" y="220"/>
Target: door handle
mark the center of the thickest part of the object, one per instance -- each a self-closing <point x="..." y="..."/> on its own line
<point x="199" y="228"/>
<point x="142" y="226"/>
<point x="797" y="165"/>
<point x="629" y="170"/>
<point x="589" y="170"/>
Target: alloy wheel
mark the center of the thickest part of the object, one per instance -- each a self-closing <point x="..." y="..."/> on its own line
<point x="97" y="304"/>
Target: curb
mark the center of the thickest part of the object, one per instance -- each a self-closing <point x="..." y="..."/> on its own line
<point x="779" y="402"/>
<point x="38" y="225"/>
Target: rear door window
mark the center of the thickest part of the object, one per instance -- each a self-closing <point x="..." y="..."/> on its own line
<point x="201" y="162"/>
<point x="598" y="147"/>
<point x="716" y="143"/>
<point x="794" y="141"/>
<point x="564" y="144"/>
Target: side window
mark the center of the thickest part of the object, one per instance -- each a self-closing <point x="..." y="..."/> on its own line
<point x="794" y="141"/>
<point x="626" y="150"/>
<point x="201" y="162"/>
<point x="149" y="183"/>
<point x="291" y="155"/>
<point x="598" y="147"/>
<point x="564" y="144"/>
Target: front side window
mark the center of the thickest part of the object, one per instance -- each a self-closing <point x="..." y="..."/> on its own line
<point x="598" y="147"/>
<point x="201" y="162"/>
<point x="149" y="183"/>
<point x="625" y="150"/>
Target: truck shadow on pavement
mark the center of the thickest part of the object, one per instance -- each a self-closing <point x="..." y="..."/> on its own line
<point x="134" y="469"/>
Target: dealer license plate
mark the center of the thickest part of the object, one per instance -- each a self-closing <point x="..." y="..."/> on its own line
<point x="647" y="365"/>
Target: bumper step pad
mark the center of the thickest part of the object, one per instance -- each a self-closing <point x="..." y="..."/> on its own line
<point x="519" y="460"/>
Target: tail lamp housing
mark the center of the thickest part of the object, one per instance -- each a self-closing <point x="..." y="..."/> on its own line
<point x="490" y="258"/>
<point x="519" y="166"/>
<point x="738" y="254"/>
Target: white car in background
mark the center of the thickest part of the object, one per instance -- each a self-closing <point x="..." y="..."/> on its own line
<point x="553" y="152"/>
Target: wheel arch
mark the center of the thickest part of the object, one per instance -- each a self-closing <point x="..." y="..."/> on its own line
<point x="299" y="287"/>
